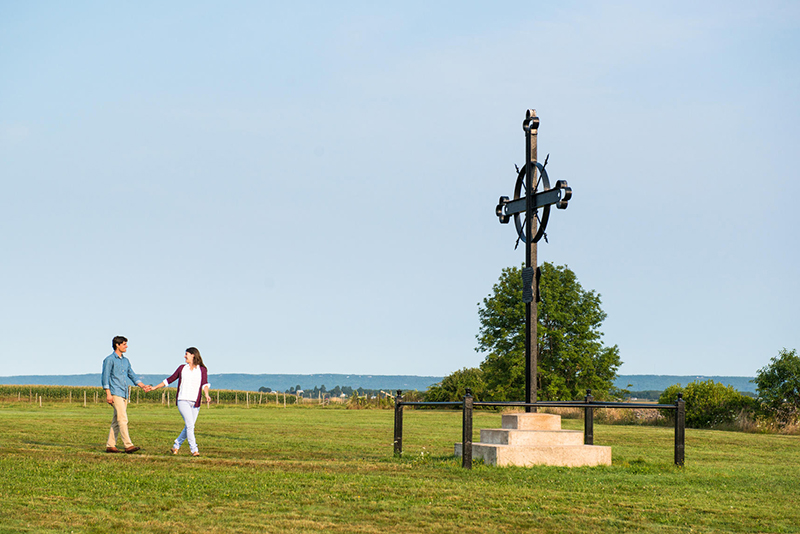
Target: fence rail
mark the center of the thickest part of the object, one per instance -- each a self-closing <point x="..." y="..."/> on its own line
<point x="588" y="405"/>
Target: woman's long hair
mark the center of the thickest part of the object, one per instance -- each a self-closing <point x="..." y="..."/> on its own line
<point x="198" y="360"/>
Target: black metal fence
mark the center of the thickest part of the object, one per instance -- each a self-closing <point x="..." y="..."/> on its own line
<point x="588" y="405"/>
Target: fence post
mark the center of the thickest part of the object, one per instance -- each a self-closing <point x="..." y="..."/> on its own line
<point x="398" y="423"/>
<point x="466" y="432"/>
<point x="588" y="420"/>
<point x="680" y="429"/>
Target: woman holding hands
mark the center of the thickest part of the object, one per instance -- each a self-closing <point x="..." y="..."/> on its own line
<point x="192" y="380"/>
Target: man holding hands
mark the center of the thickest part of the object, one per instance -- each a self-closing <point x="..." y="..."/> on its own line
<point x="116" y="372"/>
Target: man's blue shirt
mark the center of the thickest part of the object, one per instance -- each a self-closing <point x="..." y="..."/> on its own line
<point x="116" y="369"/>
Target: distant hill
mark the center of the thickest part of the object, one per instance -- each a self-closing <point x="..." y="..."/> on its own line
<point x="662" y="382"/>
<point x="248" y="382"/>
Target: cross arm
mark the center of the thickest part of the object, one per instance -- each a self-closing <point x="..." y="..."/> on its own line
<point x="559" y="195"/>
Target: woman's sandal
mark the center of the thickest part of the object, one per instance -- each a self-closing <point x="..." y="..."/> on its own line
<point x="195" y="454"/>
<point x="174" y="451"/>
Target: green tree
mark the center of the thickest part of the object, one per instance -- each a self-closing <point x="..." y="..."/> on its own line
<point x="572" y="357"/>
<point x="454" y="386"/>
<point x="778" y="386"/>
<point x="708" y="404"/>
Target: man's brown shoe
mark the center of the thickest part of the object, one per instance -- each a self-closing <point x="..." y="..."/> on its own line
<point x="129" y="450"/>
<point x="112" y="449"/>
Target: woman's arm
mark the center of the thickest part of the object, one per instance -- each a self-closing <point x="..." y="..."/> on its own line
<point x="160" y="385"/>
<point x="167" y="381"/>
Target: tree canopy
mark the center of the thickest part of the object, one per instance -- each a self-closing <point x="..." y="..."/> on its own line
<point x="572" y="357"/>
<point x="778" y="386"/>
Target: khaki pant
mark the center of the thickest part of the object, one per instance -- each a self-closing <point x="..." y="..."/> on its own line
<point x="119" y="424"/>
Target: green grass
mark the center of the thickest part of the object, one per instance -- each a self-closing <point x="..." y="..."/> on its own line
<point x="299" y="469"/>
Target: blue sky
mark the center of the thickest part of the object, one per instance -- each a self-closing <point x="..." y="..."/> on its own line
<point x="309" y="187"/>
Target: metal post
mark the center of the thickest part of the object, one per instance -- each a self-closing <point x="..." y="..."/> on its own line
<point x="588" y="420"/>
<point x="531" y="127"/>
<point x="680" y="430"/>
<point x="466" y="432"/>
<point x="398" y="424"/>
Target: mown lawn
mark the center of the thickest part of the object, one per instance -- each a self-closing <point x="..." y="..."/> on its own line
<point x="300" y="469"/>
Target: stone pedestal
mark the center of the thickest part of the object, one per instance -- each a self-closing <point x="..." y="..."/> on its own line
<point x="535" y="439"/>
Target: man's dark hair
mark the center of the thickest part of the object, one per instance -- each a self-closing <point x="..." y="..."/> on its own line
<point x="118" y="340"/>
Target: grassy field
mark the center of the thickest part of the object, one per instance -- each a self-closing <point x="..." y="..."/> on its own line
<point x="301" y="469"/>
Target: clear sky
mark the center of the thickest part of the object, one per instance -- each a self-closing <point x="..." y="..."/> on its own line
<point x="309" y="187"/>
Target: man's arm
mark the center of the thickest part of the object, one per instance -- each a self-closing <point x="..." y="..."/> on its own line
<point x="135" y="379"/>
<point x="106" y="379"/>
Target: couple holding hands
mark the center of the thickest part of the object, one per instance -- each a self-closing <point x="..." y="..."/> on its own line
<point x="192" y="380"/>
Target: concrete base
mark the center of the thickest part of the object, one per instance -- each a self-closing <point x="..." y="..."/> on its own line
<point x="535" y="439"/>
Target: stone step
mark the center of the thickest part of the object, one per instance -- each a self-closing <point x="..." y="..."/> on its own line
<point x="532" y="438"/>
<point x="531" y="421"/>
<point x="569" y="456"/>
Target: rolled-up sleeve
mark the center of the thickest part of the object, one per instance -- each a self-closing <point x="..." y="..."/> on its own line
<point x="106" y="378"/>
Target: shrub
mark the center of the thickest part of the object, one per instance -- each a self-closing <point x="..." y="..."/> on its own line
<point x="709" y="404"/>
<point x="454" y="386"/>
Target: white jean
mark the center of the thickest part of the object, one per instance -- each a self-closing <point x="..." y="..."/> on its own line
<point x="189" y="413"/>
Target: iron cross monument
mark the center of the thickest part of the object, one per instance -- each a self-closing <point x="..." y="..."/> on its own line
<point x="530" y="209"/>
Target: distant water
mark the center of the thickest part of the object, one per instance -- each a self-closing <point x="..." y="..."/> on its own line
<point x="662" y="382"/>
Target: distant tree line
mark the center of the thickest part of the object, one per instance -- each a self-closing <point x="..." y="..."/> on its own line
<point x="337" y="391"/>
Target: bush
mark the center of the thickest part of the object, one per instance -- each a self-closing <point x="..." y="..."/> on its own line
<point x="454" y="386"/>
<point x="709" y="404"/>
